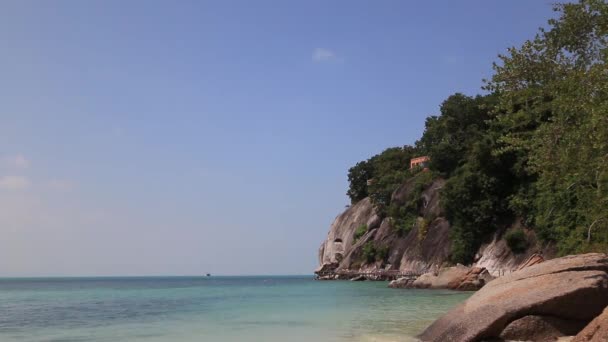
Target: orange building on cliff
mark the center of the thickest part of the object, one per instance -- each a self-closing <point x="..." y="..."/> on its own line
<point x="422" y="162"/>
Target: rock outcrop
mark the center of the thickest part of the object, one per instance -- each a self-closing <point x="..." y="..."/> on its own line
<point x="473" y="280"/>
<point x="573" y="288"/>
<point x="424" y="248"/>
<point x="496" y="256"/>
<point x="458" y="277"/>
<point x="341" y="237"/>
<point x="440" y="279"/>
<point x="596" y="331"/>
<point x="401" y="283"/>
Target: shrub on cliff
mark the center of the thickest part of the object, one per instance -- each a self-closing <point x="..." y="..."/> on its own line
<point x="516" y="240"/>
<point x="372" y="253"/>
<point x="358" y="176"/>
<point x="403" y="216"/>
<point x="385" y="171"/>
<point x="361" y="230"/>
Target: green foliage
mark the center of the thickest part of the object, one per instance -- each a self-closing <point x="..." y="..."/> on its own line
<point x="361" y="230"/>
<point x="369" y="252"/>
<point x="372" y="253"/>
<point x="552" y="109"/>
<point x="516" y="240"/>
<point x="401" y="220"/>
<point x="381" y="253"/>
<point x="423" y="229"/>
<point x="357" y="178"/>
<point x="448" y="138"/>
<point x="391" y="169"/>
<point x="388" y="170"/>
<point x="473" y="199"/>
<point x="383" y="187"/>
<point x="404" y="215"/>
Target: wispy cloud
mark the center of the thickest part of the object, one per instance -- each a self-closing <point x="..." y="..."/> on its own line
<point x="61" y="184"/>
<point x="14" y="182"/>
<point x="323" y="55"/>
<point x="17" y="161"/>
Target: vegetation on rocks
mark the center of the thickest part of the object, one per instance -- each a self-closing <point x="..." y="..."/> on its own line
<point x="534" y="146"/>
<point x="404" y="216"/>
<point x="516" y="240"/>
<point x="372" y="253"/>
<point x="361" y="230"/>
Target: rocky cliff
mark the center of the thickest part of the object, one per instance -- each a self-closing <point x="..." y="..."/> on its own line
<point x="426" y="247"/>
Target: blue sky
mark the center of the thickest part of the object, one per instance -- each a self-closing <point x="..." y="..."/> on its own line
<point x="185" y="137"/>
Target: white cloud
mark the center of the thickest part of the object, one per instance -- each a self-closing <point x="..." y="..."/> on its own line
<point x="323" y="55"/>
<point x="17" y="161"/>
<point x="14" y="182"/>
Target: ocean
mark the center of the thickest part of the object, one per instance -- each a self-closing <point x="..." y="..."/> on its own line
<point x="179" y="309"/>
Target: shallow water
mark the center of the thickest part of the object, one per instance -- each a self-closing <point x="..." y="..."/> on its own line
<point x="214" y="309"/>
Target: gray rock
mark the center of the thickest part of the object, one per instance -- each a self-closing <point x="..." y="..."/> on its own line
<point x="401" y="283"/>
<point x="340" y="239"/>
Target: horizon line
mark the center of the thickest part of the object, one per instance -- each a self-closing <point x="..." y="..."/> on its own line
<point x="152" y="276"/>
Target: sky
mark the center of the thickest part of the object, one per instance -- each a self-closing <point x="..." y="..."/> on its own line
<point x="191" y="137"/>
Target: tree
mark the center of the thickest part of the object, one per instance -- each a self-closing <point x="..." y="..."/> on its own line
<point x="358" y="176"/>
<point x="554" y="109"/>
<point x="448" y="138"/>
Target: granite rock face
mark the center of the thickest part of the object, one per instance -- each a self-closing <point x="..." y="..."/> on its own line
<point x="573" y="288"/>
<point x="425" y="248"/>
<point x="415" y="251"/>
<point x="341" y="237"/>
<point x="496" y="256"/>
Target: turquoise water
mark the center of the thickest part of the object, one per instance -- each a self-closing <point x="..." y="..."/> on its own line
<point x="180" y="309"/>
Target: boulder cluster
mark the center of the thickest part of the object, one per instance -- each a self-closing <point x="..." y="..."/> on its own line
<point x="545" y="301"/>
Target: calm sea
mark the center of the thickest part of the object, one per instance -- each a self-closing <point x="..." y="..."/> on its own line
<point x="214" y="309"/>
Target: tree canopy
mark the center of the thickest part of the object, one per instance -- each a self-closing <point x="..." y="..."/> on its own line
<point x="534" y="147"/>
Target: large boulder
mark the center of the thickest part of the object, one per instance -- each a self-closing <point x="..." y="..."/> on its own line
<point x="473" y="280"/>
<point x="441" y="278"/>
<point x="540" y="329"/>
<point x="458" y="277"/>
<point x="573" y="288"/>
<point x="401" y="283"/>
<point x="596" y="331"/>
